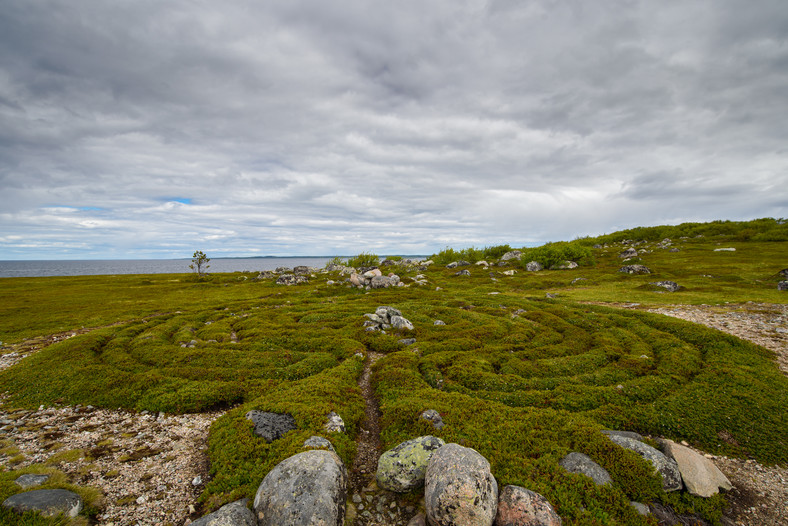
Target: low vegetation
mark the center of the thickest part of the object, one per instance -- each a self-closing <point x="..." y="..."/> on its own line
<point x="521" y="378"/>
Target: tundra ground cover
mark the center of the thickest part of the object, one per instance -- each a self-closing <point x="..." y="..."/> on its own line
<point x="520" y="378"/>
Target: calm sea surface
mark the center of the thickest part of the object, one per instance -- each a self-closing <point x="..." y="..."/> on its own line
<point x="12" y="269"/>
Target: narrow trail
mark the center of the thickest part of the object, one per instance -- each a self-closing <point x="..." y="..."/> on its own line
<point x="363" y="470"/>
<point x="370" y="505"/>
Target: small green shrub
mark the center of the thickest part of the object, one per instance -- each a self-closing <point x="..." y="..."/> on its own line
<point x="496" y="252"/>
<point x="364" y="260"/>
<point x="336" y="261"/>
<point x="554" y="254"/>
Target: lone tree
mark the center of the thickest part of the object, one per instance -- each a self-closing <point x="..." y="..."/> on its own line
<point x="199" y="262"/>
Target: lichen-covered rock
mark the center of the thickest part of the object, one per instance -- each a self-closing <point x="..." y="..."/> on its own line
<point x="334" y="423"/>
<point x="514" y="254"/>
<point x="700" y="475"/>
<point x="271" y="426"/>
<point x="49" y="502"/>
<point x="666" y="467"/>
<point x="403" y="468"/>
<point x="635" y="269"/>
<point x="670" y="286"/>
<point x="628" y="253"/>
<point x="398" y="322"/>
<point x="309" y="488"/>
<point x="434" y="417"/>
<point x="579" y="463"/>
<point x="519" y="506"/>
<point x="533" y="266"/>
<point x="291" y="279"/>
<point x="459" y="488"/>
<point x="233" y="514"/>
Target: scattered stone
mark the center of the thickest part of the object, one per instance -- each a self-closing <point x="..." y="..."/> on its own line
<point x="384" y="282"/>
<point x="518" y="506"/>
<point x="50" y="502"/>
<point x="434" y="417"/>
<point x="30" y="480"/>
<point x="509" y="272"/>
<point x="729" y="249"/>
<point x="670" y="286"/>
<point x="234" y="514"/>
<point x="407" y="341"/>
<point x="641" y="508"/>
<point x="666" y="467"/>
<point x="533" y="266"/>
<point x="635" y="269"/>
<point x="674" y="249"/>
<point x="782" y="285"/>
<point x="335" y="424"/>
<point x="439" y="322"/>
<point x="784" y="273"/>
<point x="302" y="270"/>
<point x="271" y="426"/>
<point x="514" y="254"/>
<point x="403" y="468"/>
<point x="701" y="477"/>
<point x="566" y="265"/>
<point x="459" y="488"/>
<point x="577" y="280"/>
<point x="463" y="273"/>
<point x="455" y="264"/>
<point x="315" y="442"/>
<point x="628" y="253"/>
<point x="196" y="481"/>
<point x="307" y="488"/>
<point x="579" y="463"/>
<point x="551" y="295"/>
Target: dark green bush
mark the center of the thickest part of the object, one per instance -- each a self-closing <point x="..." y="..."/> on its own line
<point x="364" y="260"/>
<point x="555" y="254"/>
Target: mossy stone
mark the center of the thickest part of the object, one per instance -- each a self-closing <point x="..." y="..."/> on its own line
<point x="402" y="468"/>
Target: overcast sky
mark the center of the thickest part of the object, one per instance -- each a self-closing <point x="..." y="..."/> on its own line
<point x="144" y="128"/>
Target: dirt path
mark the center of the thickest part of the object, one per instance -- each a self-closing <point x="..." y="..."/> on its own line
<point x="370" y="505"/>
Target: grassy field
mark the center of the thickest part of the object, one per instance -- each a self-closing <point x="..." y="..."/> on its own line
<point x="521" y="378"/>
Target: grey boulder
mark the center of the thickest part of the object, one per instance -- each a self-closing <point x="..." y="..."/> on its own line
<point x="334" y="423"/>
<point x="533" y="266"/>
<point x="403" y="468"/>
<point x="233" y="514"/>
<point x="315" y="442"/>
<point x="700" y="475"/>
<point x="30" y="480"/>
<point x="398" y="322"/>
<point x="782" y="285"/>
<point x="579" y="463"/>
<point x="670" y="286"/>
<point x="635" y="269"/>
<point x="271" y="426"/>
<point x="50" y="502"/>
<point x="628" y="253"/>
<point x="514" y="254"/>
<point x="433" y="417"/>
<point x="309" y="488"/>
<point x="518" y="506"/>
<point x="459" y="488"/>
<point x="666" y="467"/>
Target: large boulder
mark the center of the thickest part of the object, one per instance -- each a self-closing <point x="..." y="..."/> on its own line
<point x="522" y="507"/>
<point x="403" y="468"/>
<point x="49" y="502"/>
<point x="666" y="467"/>
<point x="309" y="488"/>
<point x="576" y="462"/>
<point x="459" y="488"/>
<point x="701" y="477"/>
<point x="635" y="269"/>
<point x="233" y="514"/>
<point x="514" y="254"/>
<point x="271" y="426"/>
<point x="533" y="266"/>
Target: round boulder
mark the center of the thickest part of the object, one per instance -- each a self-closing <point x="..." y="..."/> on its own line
<point x="307" y="488"/>
<point x="49" y="502"/>
<point x="459" y="488"/>
<point x="522" y="507"/>
<point x="403" y="468"/>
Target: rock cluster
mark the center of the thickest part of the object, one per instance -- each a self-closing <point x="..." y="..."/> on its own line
<point x="374" y="279"/>
<point x="386" y="318"/>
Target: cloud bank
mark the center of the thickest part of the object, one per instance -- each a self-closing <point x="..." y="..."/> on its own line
<point x="149" y="129"/>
